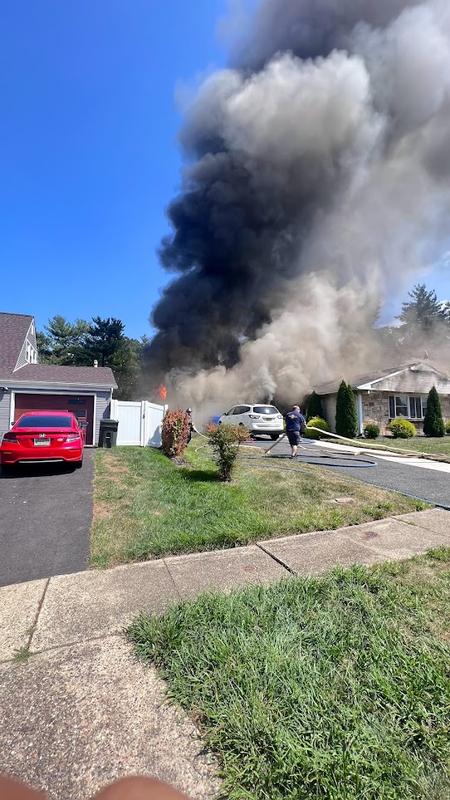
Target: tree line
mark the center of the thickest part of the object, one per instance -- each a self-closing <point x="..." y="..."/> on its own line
<point x="81" y="343"/>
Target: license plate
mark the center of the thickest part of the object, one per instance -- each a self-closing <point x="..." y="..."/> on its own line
<point x="41" y="442"/>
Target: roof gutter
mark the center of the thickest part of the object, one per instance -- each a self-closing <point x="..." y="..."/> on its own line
<point x="15" y="384"/>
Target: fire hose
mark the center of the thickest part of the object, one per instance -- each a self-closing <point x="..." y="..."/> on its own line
<point x="329" y="459"/>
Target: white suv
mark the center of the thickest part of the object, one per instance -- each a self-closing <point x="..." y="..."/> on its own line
<point x="258" y="419"/>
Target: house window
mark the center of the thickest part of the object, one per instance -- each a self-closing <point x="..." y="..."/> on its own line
<point x="415" y="407"/>
<point x="401" y="405"/>
<point x="409" y="406"/>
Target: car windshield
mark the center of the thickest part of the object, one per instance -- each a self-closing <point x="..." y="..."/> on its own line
<point x="44" y="421"/>
<point x="265" y="410"/>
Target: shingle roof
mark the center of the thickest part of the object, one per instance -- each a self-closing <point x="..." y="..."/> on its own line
<point x="50" y="373"/>
<point x="13" y="330"/>
<point x="360" y="380"/>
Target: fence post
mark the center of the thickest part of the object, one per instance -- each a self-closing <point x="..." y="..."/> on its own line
<point x="142" y="427"/>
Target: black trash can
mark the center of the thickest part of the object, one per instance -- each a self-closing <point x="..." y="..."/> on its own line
<point x="108" y="433"/>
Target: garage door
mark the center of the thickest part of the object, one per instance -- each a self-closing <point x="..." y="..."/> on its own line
<point x="80" y="405"/>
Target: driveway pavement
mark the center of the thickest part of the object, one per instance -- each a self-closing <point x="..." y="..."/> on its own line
<point x="45" y="520"/>
<point x="430" y="481"/>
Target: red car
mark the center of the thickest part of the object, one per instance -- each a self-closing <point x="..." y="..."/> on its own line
<point x="43" y="436"/>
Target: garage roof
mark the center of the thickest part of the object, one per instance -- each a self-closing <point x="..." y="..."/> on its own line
<point x="55" y="374"/>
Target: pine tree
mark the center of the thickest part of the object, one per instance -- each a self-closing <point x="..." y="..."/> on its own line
<point x="103" y="339"/>
<point x="423" y="310"/>
<point x="346" y="417"/>
<point x="314" y="407"/>
<point x="62" y="342"/>
<point x="433" y="424"/>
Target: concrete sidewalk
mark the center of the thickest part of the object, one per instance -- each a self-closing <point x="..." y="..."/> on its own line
<point x="68" y="609"/>
<point x="81" y="711"/>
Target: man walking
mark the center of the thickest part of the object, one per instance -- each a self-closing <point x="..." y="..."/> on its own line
<point x="295" y="425"/>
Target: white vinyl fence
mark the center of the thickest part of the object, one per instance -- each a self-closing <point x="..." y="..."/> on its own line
<point x="139" y="422"/>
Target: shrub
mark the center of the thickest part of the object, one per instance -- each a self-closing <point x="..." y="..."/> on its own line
<point x="371" y="430"/>
<point x="402" y="428"/>
<point x="314" y="407"/>
<point x="175" y="432"/>
<point x="316" y="422"/>
<point x="447" y="427"/>
<point x="346" y="418"/>
<point x="433" y="424"/>
<point x="225" y="441"/>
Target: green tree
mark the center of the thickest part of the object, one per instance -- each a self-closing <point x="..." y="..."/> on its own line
<point x="126" y="364"/>
<point x="346" y="417"/>
<point x="62" y="341"/>
<point x="104" y="337"/>
<point x="314" y="407"/>
<point x="433" y="424"/>
<point x="423" y="311"/>
<point x="44" y="348"/>
<point x="103" y="340"/>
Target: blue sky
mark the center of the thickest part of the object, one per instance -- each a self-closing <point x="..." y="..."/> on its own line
<point x="89" y="157"/>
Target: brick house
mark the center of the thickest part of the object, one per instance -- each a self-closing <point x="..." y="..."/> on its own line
<point x="26" y="385"/>
<point x="396" y="392"/>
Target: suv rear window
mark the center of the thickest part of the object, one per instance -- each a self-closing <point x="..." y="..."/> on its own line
<point x="43" y="421"/>
<point x="265" y="410"/>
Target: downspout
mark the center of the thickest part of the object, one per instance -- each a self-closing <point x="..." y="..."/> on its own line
<point x="359" y="407"/>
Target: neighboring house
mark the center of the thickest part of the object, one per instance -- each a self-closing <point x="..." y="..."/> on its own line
<point x="396" y="392"/>
<point x="26" y="385"/>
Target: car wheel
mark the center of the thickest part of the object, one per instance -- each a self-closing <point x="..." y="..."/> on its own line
<point x="78" y="464"/>
<point x="274" y="436"/>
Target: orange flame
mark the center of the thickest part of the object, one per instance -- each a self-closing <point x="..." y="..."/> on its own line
<point x="162" y="391"/>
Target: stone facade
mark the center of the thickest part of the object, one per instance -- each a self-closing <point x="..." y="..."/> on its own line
<point x="376" y="407"/>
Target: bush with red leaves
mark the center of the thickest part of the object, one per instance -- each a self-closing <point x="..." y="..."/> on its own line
<point x="175" y="432"/>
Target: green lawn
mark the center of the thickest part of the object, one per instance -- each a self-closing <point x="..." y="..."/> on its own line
<point x="335" y="687"/>
<point x="421" y="444"/>
<point x="145" y="506"/>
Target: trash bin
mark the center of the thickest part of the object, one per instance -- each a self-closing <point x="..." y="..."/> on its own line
<point x="108" y="432"/>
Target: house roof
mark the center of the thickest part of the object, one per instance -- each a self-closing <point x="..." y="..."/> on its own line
<point x="364" y="381"/>
<point x="13" y="330"/>
<point x="55" y="374"/>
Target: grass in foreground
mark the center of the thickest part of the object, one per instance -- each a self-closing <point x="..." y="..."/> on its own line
<point x="145" y="506"/>
<point x="419" y="444"/>
<point x="335" y="687"/>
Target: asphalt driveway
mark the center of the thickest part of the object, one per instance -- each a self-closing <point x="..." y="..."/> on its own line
<point x="45" y="520"/>
<point x="424" y="483"/>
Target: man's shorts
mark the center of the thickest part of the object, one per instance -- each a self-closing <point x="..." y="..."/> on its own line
<point x="294" y="437"/>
